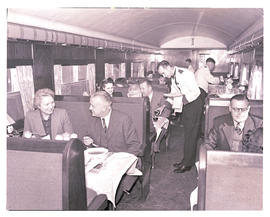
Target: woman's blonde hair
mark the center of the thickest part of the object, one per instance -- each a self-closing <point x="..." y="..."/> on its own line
<point x="42" y="93"/>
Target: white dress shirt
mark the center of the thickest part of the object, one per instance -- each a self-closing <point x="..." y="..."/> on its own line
<point x="239" y="124"/>
<point x="150" y="97"/>
<point x="107" y="119"/>
<point x="186" y="82"/>
<point x="190" y="68"/>
<point x="203" y="77"/>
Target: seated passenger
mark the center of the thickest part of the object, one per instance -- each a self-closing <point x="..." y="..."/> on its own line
<point x="110" y="128"/>
<point x="108" y="86"/>
<point x="229" y="130"/>
<point x="134" y="90"/>
<point x="121" y="82"/>
<point x="157" y="102"/>
<point x="47" y="121"/>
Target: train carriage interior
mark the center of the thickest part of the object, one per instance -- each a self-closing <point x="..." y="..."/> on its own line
<point x="78" y="52"/>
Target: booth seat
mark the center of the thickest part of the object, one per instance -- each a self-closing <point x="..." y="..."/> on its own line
<point x="47" y="175"/>
<point x="139" y="111"/>
<point x="218" y="106"/>
<point x="230" y="180"/>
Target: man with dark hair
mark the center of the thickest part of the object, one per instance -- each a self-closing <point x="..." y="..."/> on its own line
<point x="156" y="101"/>
<point x="204" y="76"/>
<point x="189" y="66"/>
<point x="229" y="130"/>
<point x="192" y="109"/>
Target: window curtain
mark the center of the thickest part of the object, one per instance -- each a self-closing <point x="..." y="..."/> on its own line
<point x="122" y="73"/>
<point x="26" y="86"/>
<point x="91" y="77"/>
<point x="108" y="70"/>
<point x="58" y="79"/>
<point x="132" y="70"/>
<point x="141" y="70"/>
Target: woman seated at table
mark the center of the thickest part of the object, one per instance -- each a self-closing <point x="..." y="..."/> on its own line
<point x="108" y="86"/>
<point x="134" y="90"/>
<point x="46" y="121"/>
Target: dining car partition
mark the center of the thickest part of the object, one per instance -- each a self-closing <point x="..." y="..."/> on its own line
<point x="47" y="175"/>
<point x="230" y="180"/>
<point x="139" y="111"/>
<point x="220" y="106"/>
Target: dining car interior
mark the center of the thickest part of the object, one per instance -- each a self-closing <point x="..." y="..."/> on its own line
<point x="134" y="109"/>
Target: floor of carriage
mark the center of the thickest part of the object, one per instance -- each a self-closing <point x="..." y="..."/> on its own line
<point x="168" y="190"/>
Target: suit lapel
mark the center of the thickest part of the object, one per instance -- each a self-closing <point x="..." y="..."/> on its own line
<point x="228" y="131"/>
<point x="53" y="125"/>
<point x="38" y="123"/>
<point x="249" y="125"/>
<point x="112" y="125"/>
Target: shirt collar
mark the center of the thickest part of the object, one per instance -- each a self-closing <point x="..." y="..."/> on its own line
<point x="241" y="124"/>
<point x="107" y="118"/>
<point x="150" y="96"/>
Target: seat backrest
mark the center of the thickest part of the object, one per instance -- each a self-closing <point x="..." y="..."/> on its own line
<point x="45" y="175"/>
<point x="78" y="109"/>
<point x="216" y="107"/>
<point x="138" y="109"/>
<point x="123" y="90"/>
<point x="15" y="109"/>
<point x="230" y="180"/>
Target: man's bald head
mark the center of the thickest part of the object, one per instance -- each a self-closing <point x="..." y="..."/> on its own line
<point x="100" y="104"/>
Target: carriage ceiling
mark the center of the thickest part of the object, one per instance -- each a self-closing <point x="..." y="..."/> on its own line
<point x="152" y="26"/>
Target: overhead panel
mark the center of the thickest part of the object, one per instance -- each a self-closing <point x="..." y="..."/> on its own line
<point x="152" y="26"/>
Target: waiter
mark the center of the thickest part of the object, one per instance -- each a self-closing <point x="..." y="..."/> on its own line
<point x="192" y="109"/>
<point x="204" y="76"/>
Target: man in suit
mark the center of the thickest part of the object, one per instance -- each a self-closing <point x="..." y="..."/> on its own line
<point x="110" y="128"/>
<point x="192" y="110"/>
<point x="229" y="130"/>
<point x="157" y="101"/>
<point x="47" y="121"/>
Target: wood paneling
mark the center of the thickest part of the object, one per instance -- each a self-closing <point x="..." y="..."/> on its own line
<point x="66" y="55"/>
<point x="113" y="56"/>
<point x="18" y="53"/>
<point x="100" y="65"/>
<point x="43" y="72"/>
<point x="128" y="69"/>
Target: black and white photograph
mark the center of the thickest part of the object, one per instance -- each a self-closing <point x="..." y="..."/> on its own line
<point x="134" y="108"/>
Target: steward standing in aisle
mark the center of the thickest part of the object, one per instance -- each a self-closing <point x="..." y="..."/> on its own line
<point x="192" y="110"/>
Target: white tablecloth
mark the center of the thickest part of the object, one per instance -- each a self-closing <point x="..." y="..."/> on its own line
<point x="105" y="178"/>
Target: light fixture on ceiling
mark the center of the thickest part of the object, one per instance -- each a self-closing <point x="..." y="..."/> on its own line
<point x="192" y="42"/>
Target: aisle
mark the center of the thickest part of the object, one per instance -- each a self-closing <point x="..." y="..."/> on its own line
<point x="168" y="190"/>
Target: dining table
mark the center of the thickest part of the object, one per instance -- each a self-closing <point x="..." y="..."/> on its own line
<point x="104" y="171"/>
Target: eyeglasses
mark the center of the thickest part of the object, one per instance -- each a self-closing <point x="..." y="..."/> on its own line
<point x="240" y="109"/>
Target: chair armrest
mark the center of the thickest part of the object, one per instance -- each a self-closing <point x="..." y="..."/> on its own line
<point x="100" y="202"/>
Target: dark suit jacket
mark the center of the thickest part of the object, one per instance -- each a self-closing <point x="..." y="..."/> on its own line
<point x="221" y="135"/>
<point x="157" y="101"/>
<point x="121" y="134"/>
<point x="60" y="123"/>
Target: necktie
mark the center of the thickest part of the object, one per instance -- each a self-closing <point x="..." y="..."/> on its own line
<point x="238" y="129"/>
<point x="104" y="124"/>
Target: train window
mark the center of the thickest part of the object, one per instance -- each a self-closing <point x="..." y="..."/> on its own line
<point x="74" y="80"/>
<point x="137" y="69"/>
<point x="115" y="70"/>
<point x="20" y="80"/>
